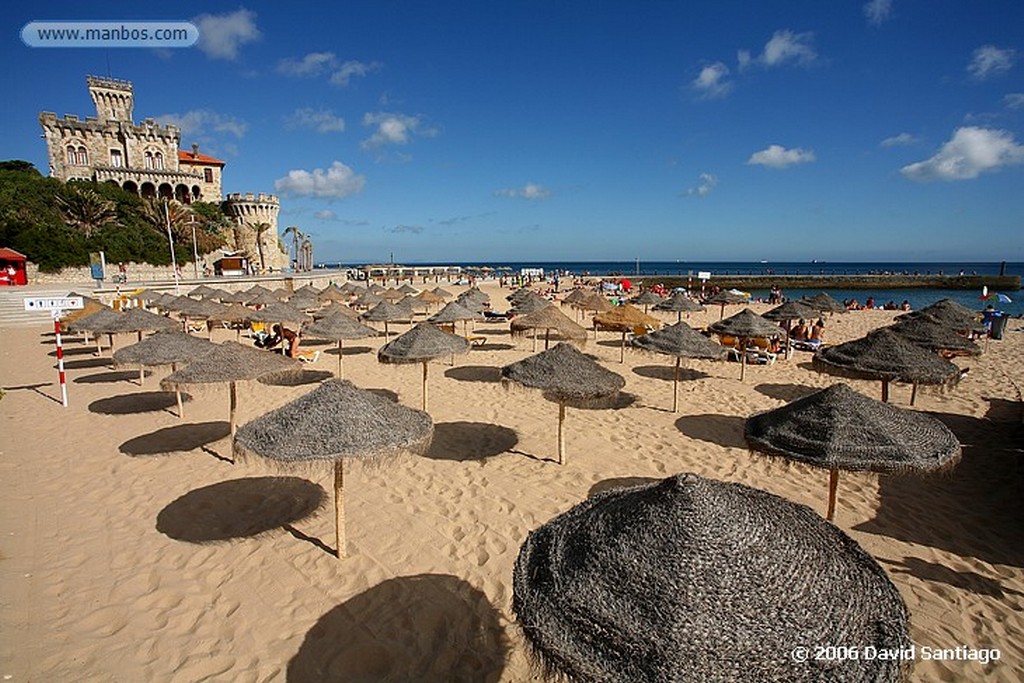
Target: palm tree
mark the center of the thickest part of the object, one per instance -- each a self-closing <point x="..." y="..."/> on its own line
<point x="307" y="253"/>
<point x="294" y="231"/>
<point x="86" y="210"/>
<point x="261" y="229"/>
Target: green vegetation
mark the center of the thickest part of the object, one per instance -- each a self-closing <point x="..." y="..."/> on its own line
<point x="57" y="224"/>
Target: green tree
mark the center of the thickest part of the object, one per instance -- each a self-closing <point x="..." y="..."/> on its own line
<point x="85" y="210"/>
<point x="261" y="229"/>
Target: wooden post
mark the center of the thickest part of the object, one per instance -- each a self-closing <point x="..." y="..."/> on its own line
<point x="547" y="337"/>
<point x="341" y="356"/>
<point x="339" y="508"/>
<point x="743" y="356"/>
<point x="177" y="395"/>
<point x="424" y="386"/>
<point x="885" y="391"/>
<point x="534" y="340"/>
<point x="913" y="393"/>
<point x="142" y="374"/>
<point x="561" y="434"/>
<point x="833" y="482"/>
<point x="234" y="406"/>
<point x="622" y="349"/>
<point x="675" y="386"/>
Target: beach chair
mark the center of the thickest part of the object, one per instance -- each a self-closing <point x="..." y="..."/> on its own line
<point x="309" y="356"/>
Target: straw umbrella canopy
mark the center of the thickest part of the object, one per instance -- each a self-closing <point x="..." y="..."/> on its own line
<point x="336" y="308"/>
<point x="217" y="294"/>
<point x="367" y="299"/>
<point x="474" y="299"/>
<point x="234" y="314"/>
<point x="592" y="301"/>
<point x="408" y="289"/>
<point x="454" y="312"/>
<point x="824" y="303"/>
<point x="136" y="320"/>
<point x="164" y="348"/>
<point x="441" y="292"/>
<point x="333" y="423"/>
<point x="332" y="293"/>
<point x="305" y="301"/>
<point x="681" y="341"/>
<point x="949" y="313"/>
<point x="888" y="357"/>
<point x="420" y="345"/>
<point x="201" y="291"/>
<point x="839" y="429"/>
<point x="574" y="296"/>
<point x="237" y="297"/>
<point x="278" y="313"/>
<point x="413" y="303"/>
<point x="647" y="299"/>
<point x="374" y="288"/>
<point x="550" y="319"/>
<point x="429" y="297"/>
<point x="746" y="325"/>
<point x="528" y="304"/>
<point x="92" y="322"/>
<point x="935" y="336"/>
<point x="566" y="376"/>
<point x="231" y="362"/>
<point x="787" y="313"/>
<point x="256" y="290"/>
<point x="391" y="294"/>
<point x="307" y="289"/>
<point x="727" y="297"/>
<point x="386" y="312"/>
<point x="679" y="303"/>
<point x="147" y="296"/>
<point x="338" y="328"/>
<point x="692" y="579"/>
<point x="624" y="319"/>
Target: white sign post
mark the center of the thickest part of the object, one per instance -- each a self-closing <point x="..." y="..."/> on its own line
<point x="56" y="307"/>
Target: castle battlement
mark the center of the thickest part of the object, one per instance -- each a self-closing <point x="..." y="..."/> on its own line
<point x="262" y="198"/>
<point x="106" y="82"/>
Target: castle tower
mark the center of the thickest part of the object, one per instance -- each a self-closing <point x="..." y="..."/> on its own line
<point x="256" y="218"/>
<point x="113" y="98"/>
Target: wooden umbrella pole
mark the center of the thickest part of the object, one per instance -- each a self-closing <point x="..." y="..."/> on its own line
<point x="913" y="393"/>
<point x="142" y="374"/>
<point x="234" y="405"/>
<point x="561" y="433"/>
<point x="679" y="316"/>
<point x="885" y="391"/>
<point x="622" y="349"/>
<point x="339" y="508"/>
<point x="833" y="483"/>
<point x="547" y="337"/>
<point x="534" y="339"/>
<point x="424" y="386"/>
<point x="177" y="395"/>
<point x="99" y="350"/>
<point x="743" y="356"/>
<point x="675" y="386"/>
<point x="341" y="357"/>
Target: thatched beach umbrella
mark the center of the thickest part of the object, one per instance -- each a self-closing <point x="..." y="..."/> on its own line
<point x="237" y="297"/>
<point x="334" y="422"/>
<point x="691" y="579"/>
<point x="231" y="362"/>
<point x="278" y="313"/>
<point x="136" y="320"/>
<point x="746" y="325"/>
<point x="528" y="304"/>
<point x="413" y="303"/>
<point x="164" y="348"/>
<point x="550" y="319"/>
<point x="681" y="341"/>
<point x="934" y="336"/>
<point x="443" y="293"/>
<point x="646" y="299"/>
<point x="679" y="303"/>
<point x="824" y="303"/>
<point x="947" y="312"/>
<point x="234" y="314"/>
<point x="624" y="319"/>
<point x="454" y="312"/>
<point x="256" y="290"/>
<point x="304" y="301"/>
<point x="421" y="344"/>
<point x="306" y="290"/>
<point x="566" y="376"/>
<point x="727" y="297"/>
<point x="888" y="357"/>
<point x="839" y="429"/>
<point x="386" y="312"/>
<point x="336" y="308"/>
<point x="201" y="292"/>
<point x="367" y="299"/>
<point x="408" y="289"/>
<point x="338" y="328"/>
<point x="430" y="298"/>
<point x="787" y="313"/>
<point x="574" y="296"/>
<point x="93" y="322"/>
<point x="263" y="299"/>
<point x="391" y="294"/>
<point x="332" y="293"/>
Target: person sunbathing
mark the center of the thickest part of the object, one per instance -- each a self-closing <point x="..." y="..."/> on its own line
<point x="799" y="331"/>
<point x="282" y="335"/>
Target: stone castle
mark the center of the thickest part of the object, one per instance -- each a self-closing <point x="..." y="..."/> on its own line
<point x="146" y="159"/>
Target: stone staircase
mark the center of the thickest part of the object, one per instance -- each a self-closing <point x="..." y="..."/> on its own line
<point x="12" y="304"/>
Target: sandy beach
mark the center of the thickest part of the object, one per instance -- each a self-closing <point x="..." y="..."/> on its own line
<point x="133" y="549"/>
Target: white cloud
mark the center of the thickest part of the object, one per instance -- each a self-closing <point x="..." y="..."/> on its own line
<point x="777" y="156"/>
<point x="969" y="153"/>
<point x="220" y="35"/>
<point x="900" y="140"/>
<point x="336" y="182"/>
<point x="529" y="191"/>
<point x="784" y="47"/>
<point x="989" y="60"/>
<point x="707" y="184"/>
<point x="200" y="123"/>
<point x="320" y="120"/>
<point x="319" y="63"/>
<point x="325" y="215"/>
<point x="878" y="11"/>
<point x="1014" y="100"/>
<point x="394" y="129"/>
<point x="712" y="83"/>
<point x="414" y="229"/>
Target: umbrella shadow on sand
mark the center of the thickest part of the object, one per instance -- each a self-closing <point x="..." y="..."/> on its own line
<point x="785" y="392"/>
<point x="474" y="373"/>
<point x="299" y="379"/>
<point x="179" y="438"/>
<point x="463" y="441"/>
<point x="86" y="363"/>
<point x="666" y="373"/>
<point x="938" y="573"/>
<point x="74" y="351"/>
<point x="430" y="628"/>
<point x="349" y="350"/>
<point x="978" y="503"/>
<point x="619" y="483"/>
<point x="724" y="430"/>
<point x="111" y="377"/>
<point x="240" y="508"/>
<point x="141" y="402"/>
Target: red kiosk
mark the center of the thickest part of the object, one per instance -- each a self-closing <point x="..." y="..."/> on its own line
<point x="12" y="267"/>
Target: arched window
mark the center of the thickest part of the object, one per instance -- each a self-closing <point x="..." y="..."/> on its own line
<point x="83" y="157"/>
<point x="116" y="159"/>
<point x="72" y="157"/>
<point x="158" y="161"/>
<point x="148" y="160"/>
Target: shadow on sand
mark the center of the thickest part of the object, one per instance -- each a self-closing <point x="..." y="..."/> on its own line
<point x="470" y="441"/>
<point x="978" y="504"/>
<point x="111" y="377"/>
<point x="937" y="573"/>
<point x="474" y="373"/>
<point x="240" y="508"/>
<point x="666" y="372"/>
<point x="142" y="402"/>
<point x="785" y="392"/>
<point x="724" y="430"/>
<point x="299" y="379"/>
<point x="429" y="628"/>
<point x="176" y="439"/>
<point x="88" y="364"/>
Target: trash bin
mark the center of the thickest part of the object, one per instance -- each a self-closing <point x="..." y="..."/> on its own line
<point x="998" y="326"/>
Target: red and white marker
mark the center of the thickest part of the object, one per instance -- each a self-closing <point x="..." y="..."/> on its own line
<point x="60" y="360"/>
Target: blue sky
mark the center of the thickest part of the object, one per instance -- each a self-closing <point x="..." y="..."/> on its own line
<point x="472" y="131"/>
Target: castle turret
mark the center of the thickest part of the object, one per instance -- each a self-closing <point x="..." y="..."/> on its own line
<point x="113" y="98"/>
<point x="256" y="218"/>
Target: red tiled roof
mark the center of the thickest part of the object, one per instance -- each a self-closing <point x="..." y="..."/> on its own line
<point x="8" y="254"/>
<point x="185" y="157"/>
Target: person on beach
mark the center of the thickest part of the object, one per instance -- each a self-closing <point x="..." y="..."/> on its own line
<point x="282" y="334"/>
<point x="799" y="331"/>
<point x="817" y="333"/>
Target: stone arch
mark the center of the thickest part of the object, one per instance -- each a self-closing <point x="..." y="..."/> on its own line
<point x="166" y="191"/>
<point x="181" y="193"/>
<point x="83" y="156"/>
<point x="147" y="159"/>
<point x="196" y="193"/>
<point x="130" y="186"/>
<point x="72" y="156"/>
<point x="158" y="161"/>
<point x="148" y="190"/>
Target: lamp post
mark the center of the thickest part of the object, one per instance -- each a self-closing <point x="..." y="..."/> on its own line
<point x="170" y="240"/>
<point x="195" y="248"/>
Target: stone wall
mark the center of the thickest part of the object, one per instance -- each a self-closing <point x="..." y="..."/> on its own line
<point x="137" y="273"/>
